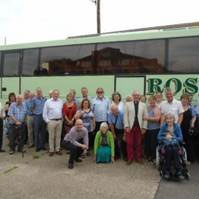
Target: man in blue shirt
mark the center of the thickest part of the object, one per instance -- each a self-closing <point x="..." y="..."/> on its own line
<point x="29" y="120"/>
<point x="39" y="124"/>
<point x="17" y="113"/>
<point x="116" y="123"/>
<point x="100" y="107"/>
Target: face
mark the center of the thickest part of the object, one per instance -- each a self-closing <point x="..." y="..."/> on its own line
<point x="79" y="124"/>
<point x="158" y="97"/>
<point x="169" y="96"/>
<point x="12" y="98"/>
<point x="115" y="110"/>
<point x="170" y="120"/>
<point x="185" y="101"/>
<point x="69" y="98"/>
<point x="39" y="93"/>
<point x="136" y="96"/>
<point x="85" y="104"/>
<point x="55" y="95"/>
<point x="100" y="93"/>
<point x="152" y="103"/>
<point x="84" y="92"/>
<point x="19" y="99"/>
<point x="116" y="98"/>
<point x="104" y="129"/>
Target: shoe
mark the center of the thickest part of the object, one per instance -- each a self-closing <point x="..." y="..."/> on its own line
<point x="31" y="146"/>
<point x="1" y="151"/>
<point x="179" y="175"/>
<point x="11" y="152"/>
<point x="51" y="154"/>
<point x="140" y="161"/>
<point x="70" y="165"/>
<point x="78" y="160"/>
<point x="59" y="153"/>
<point x="43" y="149"/>
<point x="129" y="162"/>
<point x="37" y="150"/>
<point x="167" y="176"/>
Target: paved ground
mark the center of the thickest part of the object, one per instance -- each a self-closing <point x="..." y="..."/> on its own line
<point x="42" y="177"/>
<point x="38" y="176"/>
<point x="181" y="190"/>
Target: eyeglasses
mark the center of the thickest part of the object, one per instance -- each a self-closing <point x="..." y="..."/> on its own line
<point x="100" y="92"/>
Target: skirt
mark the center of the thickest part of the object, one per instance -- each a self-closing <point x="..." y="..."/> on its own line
<point x="103" y="154"/>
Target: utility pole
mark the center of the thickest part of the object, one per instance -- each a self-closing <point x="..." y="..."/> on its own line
<point x="5" y="41"/>
<point x="97" y="3"/>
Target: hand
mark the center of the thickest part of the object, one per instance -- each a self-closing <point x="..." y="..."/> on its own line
<point x="127" y="130"/>
<point x="169" y="136"/>
<point x="85" y="147"/>
<point x="146" y="117"/>
<point x="18" y="123"/>
<point x="143" y="131"/>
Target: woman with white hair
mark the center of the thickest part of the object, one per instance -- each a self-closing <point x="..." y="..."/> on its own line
<point x="170" y="137"/>
<point x="104" y="145"/>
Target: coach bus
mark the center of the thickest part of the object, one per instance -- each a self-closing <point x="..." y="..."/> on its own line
<point x="147" y="60"/>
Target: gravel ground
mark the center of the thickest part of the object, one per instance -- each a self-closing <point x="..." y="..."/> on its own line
<point x="38" y="176"/>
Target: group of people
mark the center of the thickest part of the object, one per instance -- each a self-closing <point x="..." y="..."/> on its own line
<point x="110" y="128"/>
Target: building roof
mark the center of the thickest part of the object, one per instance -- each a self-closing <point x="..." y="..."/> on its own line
<point x="112" y="37"/>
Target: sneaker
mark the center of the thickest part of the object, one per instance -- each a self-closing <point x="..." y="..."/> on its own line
<point x="167" y="176"/>
<point x="59" y="153"/>
<point x="70" y="165"/>
<point x="78" y="160"/>
<point x="129" y="162"/>
<point x="11" y="152"/>
<point x="1" y="151"/>
<point x="179" y="175"/>
<point x="51" y="154"/>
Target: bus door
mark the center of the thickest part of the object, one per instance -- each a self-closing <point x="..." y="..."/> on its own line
<point x="10" y="79"/>
<point x="125" y="85"/>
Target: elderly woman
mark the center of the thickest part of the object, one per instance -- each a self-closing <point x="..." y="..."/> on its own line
<point x="153" y="127"/>
<point x="69" y="111"/>
<point x="117" y="100"/>
<point x="88" y="118"/>
<point x="104" y="145"/>
<point x="170" y="137"/>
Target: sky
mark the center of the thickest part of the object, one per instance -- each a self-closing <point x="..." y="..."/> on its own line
<point x="23" y="21"/>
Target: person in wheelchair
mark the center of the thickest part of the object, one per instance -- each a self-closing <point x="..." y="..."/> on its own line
<point x="170" y="140"/>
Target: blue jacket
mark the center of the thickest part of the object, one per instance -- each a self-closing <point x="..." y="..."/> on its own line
<point x="177" y="138"/>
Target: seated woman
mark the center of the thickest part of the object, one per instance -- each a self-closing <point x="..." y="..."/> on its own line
<point x="104" y="145"/>
<point x="169" y="137"/>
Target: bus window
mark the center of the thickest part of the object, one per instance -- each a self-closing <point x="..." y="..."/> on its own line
<point x="11" y="64"/>
<point x="30" y="62"/>
<point x="132" y="57"/>
<point x="183" y="55"/>
<point x="68" y="60"/>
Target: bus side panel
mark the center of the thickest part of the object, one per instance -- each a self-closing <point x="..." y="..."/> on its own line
<point x="64" y="84"/>
<point x="10" y="84"/>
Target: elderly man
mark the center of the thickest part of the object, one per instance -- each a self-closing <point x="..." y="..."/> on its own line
<point x="171" y="105"/>
<point x="76" y="141"/>
<point x="52" y="115"/>
<point x="17" y="113"/>
<point x="39" y="124"/>
<point x="135" y="125"/>
<point x="100" y="106"/>
<point x="29" y="120"/>
<point x="116" y="123"/>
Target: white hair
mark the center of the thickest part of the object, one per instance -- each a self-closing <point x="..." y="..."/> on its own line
<point x="103" y="125"/>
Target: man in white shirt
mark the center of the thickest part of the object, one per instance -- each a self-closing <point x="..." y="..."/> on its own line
<point x="52" y="115"/>
<point x="171" y="105"/>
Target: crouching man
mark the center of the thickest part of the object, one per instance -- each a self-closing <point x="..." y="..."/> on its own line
<point x="76" y="141"/>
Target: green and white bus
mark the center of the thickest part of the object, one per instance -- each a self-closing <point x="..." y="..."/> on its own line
<point x="147" y="61"/>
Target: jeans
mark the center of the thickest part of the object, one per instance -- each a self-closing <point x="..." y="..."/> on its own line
<point x="40" y="131"/>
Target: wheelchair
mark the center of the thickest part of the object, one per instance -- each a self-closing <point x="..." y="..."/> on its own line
<point x="161" y="161"/>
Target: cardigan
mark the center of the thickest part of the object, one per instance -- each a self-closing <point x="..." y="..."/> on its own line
<point x="98" y="140"/>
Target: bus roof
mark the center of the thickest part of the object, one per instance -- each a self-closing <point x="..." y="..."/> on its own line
<point x="112" y="37"/>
